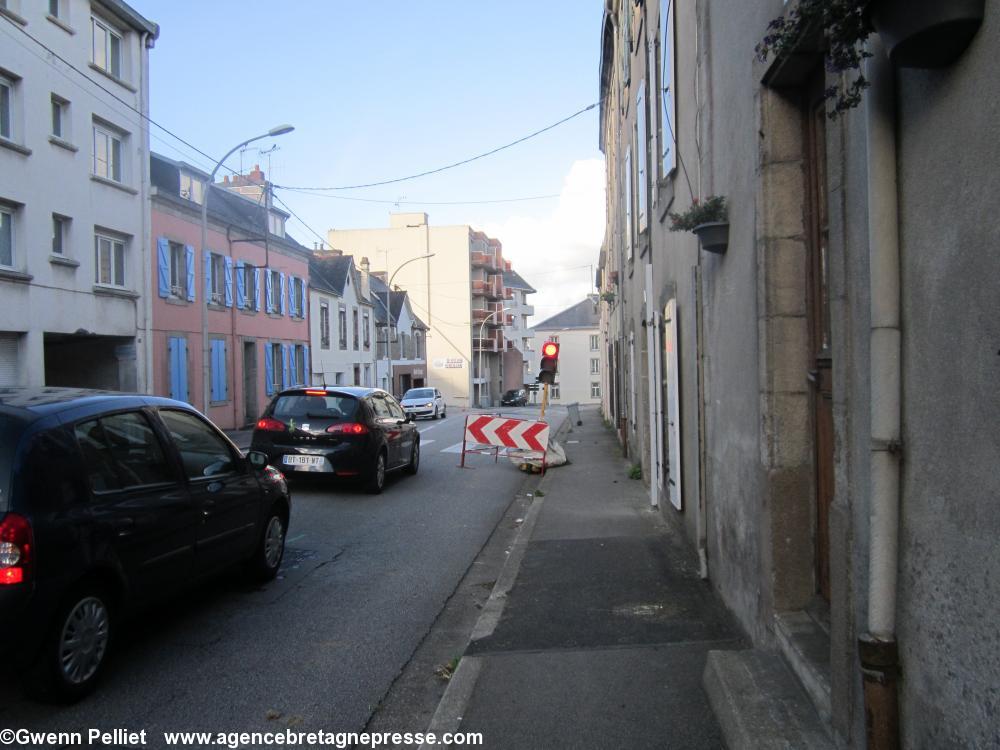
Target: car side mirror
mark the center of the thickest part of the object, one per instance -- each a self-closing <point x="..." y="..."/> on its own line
<point x="257" y="459"/>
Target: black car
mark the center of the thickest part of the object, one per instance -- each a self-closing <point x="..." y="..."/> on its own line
<point x="109" y="501"/>
<point x="338" y="431"/>
<point x="514" y="398"/>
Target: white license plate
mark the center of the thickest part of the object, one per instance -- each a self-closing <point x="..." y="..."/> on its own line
<point x="302" y="460"/>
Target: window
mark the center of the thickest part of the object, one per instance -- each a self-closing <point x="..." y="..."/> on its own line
<point x="204" y="452"/>
<point x="107" y="154"/>
<point x="338" y="378"/>
<point x="60" y="225"/>
<point x="368" y="376"/>
<point x="354" y="317"/>
<point x="300" y="365"/>
<point x="418" y="345"/>
<point x="6" y="108"/>
<point x="6" y="236"/>
<point x="668" y="84"/>
<point x="59" y="117"/>
<point x="107" y="48"/>
<point x="276" y="224"/>
<point x="627" y="191"/>
<point x="121" y="451"/>
<point x="273" y="291"/>
<point x="249" y="287"/>
<point x="217" y="371"/>
<point x="324" y="325"/>
<point x="554" y="391"/>
<point x="191" y="188"/>
<point x="593" y="342"/>
<point x="366" y="328"/>
<point x="109" y="261"/>
<point x="595" y="366"/>
<point x="218" y="279"/>
<point x="553" y="339"/>
<point x="640" y="156"/>
<point x="595" y="390"/>
<point x="54" y="8"/>
<point x="343" y="327"/>
<point x="274" y="368"/>
<point x="299" y="295"/>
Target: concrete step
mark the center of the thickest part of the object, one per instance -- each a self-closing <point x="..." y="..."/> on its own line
<point x="759" y="703"/>
<point x="806" y="647"/>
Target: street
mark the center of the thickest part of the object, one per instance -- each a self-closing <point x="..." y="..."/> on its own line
<point x="362" y="581"/>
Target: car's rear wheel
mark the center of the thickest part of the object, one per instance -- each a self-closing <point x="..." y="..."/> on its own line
<point x="76" y="649"/>
<point x="376" y="481"/>
<point x="270" y="550"/>
<point x="411" y="468"/>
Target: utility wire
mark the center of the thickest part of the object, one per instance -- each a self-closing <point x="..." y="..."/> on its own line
<point x="417" y="203"/>
<point x="448" y="166"/>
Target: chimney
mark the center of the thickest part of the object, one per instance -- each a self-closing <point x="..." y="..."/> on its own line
<point x="365" y="268"/>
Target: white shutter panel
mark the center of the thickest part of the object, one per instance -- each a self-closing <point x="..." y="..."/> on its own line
<point x="8" y="359"/>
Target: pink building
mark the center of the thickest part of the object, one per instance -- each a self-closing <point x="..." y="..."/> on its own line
<point x="254" y="279"/>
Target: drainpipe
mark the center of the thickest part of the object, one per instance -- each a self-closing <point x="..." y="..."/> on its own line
<point x="877" y="648"/>
<point x="145" y="42"/>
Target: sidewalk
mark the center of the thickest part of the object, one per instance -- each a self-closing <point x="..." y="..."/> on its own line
<point x="597" y="632"/>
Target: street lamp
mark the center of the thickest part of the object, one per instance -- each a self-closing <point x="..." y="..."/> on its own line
<point x="481" y="330"/>
<point x="206" y="365"/>
<point x="388" y="316"/>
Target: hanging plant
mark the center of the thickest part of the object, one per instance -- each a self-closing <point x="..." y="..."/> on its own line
<point x="844" y="24"/>
<point x="608" y="297"/>
<point x="712" y="211"/>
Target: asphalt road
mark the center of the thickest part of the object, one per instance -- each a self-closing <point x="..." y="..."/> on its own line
<point x="362" y="582"/>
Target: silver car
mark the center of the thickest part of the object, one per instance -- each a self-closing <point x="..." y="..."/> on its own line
<point x="424" y="402"/>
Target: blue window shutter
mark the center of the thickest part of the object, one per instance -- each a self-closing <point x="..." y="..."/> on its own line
<point x="269" y="296"/>
<point x="228" y="262"/>
<point x="213" y="370"/>
<point x="241" y="289"/>
<point x="219" y="380"/>
<point x="256" y="289"/>
<point x="189" y="252"/>
<point x="268" y="370"/>
<point x="284" y="367"/>
<point x="163" y="265"/>
<point x="293" y="365"/>
<point x="182" y="368"/>
<point x="172" y="360"/>
<point x="208" y="277"/>
<point x="307" y="376"/>
<point x="284" y="298"/>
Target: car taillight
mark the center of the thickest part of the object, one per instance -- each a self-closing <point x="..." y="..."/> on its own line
<point x="347" y="428"/>
<point x="16" y="549"/>
<point x="269" y="424"/>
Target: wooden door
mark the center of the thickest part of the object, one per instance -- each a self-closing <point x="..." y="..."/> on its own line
<point x="820" y="373"/>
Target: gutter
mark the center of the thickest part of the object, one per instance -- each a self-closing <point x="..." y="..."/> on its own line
<point x="878" y="649"/>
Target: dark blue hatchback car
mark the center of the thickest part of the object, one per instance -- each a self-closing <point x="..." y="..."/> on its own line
<point x="108" y="501"/>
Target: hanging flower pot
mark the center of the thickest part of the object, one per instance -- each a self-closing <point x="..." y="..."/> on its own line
<point x="926" y="33"/>
<point x="713" y="236"/>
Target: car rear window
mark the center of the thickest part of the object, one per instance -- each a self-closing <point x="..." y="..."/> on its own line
<point x="334" y="406"/>
<point x="419" y="393"/>
<point x="10" y="434"/>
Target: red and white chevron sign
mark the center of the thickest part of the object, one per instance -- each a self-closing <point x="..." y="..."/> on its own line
<point x="522" y="434"/>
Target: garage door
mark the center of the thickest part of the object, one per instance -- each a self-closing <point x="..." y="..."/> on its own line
<point x="8" y="359"/>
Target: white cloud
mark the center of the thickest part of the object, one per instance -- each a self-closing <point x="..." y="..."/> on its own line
<point x="554" y="253"/>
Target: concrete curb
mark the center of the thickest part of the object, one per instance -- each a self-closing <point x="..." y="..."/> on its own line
<point x="448" y="716"/>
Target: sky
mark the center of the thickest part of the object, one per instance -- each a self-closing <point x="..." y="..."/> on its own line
<point x="382" y="90"/>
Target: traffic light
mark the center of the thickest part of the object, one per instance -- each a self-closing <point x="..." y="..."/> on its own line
<point x="550" y="362"/>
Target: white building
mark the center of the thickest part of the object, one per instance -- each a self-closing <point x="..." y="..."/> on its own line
<point x="341" y="327"/>
<point x="75" y="283"/>
<point x="458" y="292"/>
<point x="576" y="330"/>
<point x="401" y="339"/>
<point x="516" y="330"/>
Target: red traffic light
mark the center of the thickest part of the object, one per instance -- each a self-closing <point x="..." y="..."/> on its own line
<point x="549" y="363"/>
<point x="550" y="349"/>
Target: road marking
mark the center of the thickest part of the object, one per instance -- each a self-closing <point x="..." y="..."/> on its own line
<point x="428" y="428"/>
<point x="456" y="448"/>
<point x="294" y="539"/>
<point x="426" y="442"/>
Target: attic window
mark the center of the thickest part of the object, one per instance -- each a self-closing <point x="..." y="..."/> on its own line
<point x="276" y="224"/>
<point x="191" y="187"/>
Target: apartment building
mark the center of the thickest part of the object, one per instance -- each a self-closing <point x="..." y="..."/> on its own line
<point x="248" y="287"/>
<point x="74" y="194"/>
<point x="814" y="401"/>
<point x="519" y="335"/>
<point x="581" y="359"/>
<point x="342" y="322"/>
<point x="458" y="292"/>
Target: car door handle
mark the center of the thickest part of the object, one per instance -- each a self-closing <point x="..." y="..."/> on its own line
<point x="214" y="487"/>
<point x="123" y="526"/>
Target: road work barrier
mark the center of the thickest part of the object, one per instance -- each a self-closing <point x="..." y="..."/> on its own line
<point x="516" y="437"/>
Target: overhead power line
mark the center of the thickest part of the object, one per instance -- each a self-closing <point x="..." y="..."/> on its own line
<point x="447" y="166"/>
<point x="418" y="203"/>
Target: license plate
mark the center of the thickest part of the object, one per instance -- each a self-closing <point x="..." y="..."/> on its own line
<point x="302" y="460"/>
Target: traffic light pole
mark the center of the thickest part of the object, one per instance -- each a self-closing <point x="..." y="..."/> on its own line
<point x="545" y="399"/>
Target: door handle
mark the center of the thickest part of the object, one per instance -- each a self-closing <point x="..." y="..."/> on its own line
<point x="215" y="486"/>
<point x="123" y="526"/>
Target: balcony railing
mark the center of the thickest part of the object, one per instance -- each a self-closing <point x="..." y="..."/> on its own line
<point x="481" y="288"/>
<point x="483" y="260"/>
